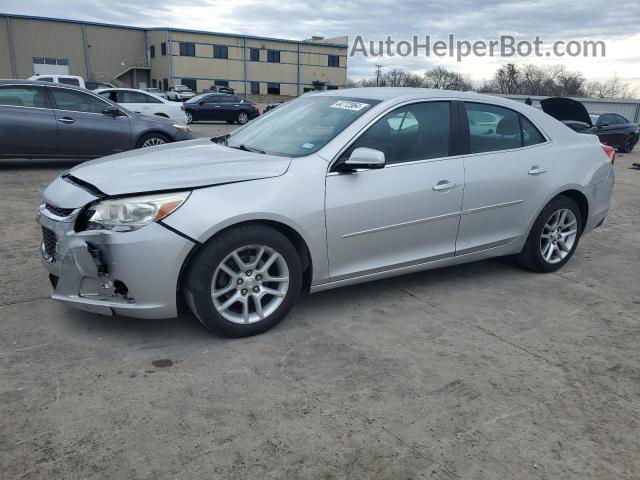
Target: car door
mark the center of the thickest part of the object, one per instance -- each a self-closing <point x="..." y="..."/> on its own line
<point x="507" y="175"/>
<point x="226" y="108"/>
<point x="27" y="123"/>
<point x="83" y="128"/>
<point x="606" y="129"/>
<point x="209" y="108"/>
<point x="407" y="212"/>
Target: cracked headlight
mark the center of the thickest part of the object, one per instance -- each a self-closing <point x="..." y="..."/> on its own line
<point x="132" y="213"/>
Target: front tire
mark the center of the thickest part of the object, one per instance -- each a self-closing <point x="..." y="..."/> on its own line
<point x="152" y="140"/>
<point x="554" y="236"/>
<point x="245" y="281"/>
<point x="628" y="145"/>
<point x="189" y="117"/>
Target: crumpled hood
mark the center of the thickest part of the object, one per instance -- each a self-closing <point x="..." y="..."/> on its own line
<point x="563" y="109"/>
<point x="194" y="163"/>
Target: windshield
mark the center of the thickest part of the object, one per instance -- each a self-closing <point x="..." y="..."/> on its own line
<point x="301" y="127"/>
<point x="182" y="88"/>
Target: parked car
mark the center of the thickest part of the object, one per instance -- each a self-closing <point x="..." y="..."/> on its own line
<point x="180" y="93"/>
<point x="220" y="106"/>
<point x="611" y="128"/>
<point x="145" y="103"/>
<point x="328" y="190"/>
<point x="64" y="79"/>
<point x="221" y="89"/>
<point x="54" y="120"/>
<point x="91" y="85"/>
<point x="157" y="92"/>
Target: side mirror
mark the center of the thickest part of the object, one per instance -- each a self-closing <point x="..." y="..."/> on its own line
<point x="364" y="158"/>
<point x="112" y="111"/>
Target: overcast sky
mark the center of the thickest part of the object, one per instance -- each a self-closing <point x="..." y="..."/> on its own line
<point x="616" y="23"/>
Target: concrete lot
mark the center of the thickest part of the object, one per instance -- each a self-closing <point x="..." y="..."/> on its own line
<point x="480" y="371"/>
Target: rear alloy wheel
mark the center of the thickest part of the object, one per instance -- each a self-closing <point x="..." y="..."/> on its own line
<point x="243" y="118"/>
<point x="189" y="117"/>
<point x="152" y="140"/>
<point x="553" y="237"/>
<point x="628" y="145"/>
<point x="245" y="281"/>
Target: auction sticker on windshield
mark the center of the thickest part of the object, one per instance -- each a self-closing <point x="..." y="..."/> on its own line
<point x="346" y="105"/>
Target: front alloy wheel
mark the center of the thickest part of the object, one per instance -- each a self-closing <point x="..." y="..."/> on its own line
<point x="189" y="117"/>
<point x="250" y="284"/>
<point x="244" y="280"/>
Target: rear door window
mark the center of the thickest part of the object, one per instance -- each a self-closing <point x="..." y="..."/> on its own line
<point x="26" y="96"/>
<point x="69" y="81"/>
<point x="530" y="134"/>
<point x="492" y="128"/>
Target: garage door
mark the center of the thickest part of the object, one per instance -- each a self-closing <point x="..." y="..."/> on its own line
<point x="50" y="66"/>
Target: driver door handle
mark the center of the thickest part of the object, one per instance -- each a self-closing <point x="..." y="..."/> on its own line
<point x="444" y="185"/>
<point x="66" y="120"/>
<point x="536" y="170"/>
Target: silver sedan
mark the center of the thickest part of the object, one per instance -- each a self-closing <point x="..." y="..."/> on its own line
<point x="331" y="189"/>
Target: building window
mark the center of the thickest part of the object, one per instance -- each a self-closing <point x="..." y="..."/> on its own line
<point x="273" y="56"/>
<point x="255" y="88"/>
<point x="189" y="82"/>
<point x="334" y="60"/>
<point x="187" y="49"/>
<point x="221" y="83"/>
<point x="163" y="48"/>
<point x="273" y="88"/>
<point x="152" y="51"/>
<point x="154" y="83"/>
<point x="220" y="51"/>
<point x="50" y="61"/>
<point x="165" y="84"/>
<point x="254" y="54"/>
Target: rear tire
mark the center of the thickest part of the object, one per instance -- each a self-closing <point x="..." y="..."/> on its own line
<point x="152" y="140"/>
<point x="553" y="237"/>
<point x="628" y="145"/>
<point x="243" y="117"/>
<point x="244" y="281"/>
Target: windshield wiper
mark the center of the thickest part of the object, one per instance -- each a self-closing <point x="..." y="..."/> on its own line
<point x="221" y="139"/>
<point x="243" y="147"/>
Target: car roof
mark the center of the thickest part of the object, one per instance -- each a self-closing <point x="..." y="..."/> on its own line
<point x="9" y="81"/>
<point x="388" y="93"/>
<point x="119" y="89"/>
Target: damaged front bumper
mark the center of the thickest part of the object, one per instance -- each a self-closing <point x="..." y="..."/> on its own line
<point x="126" y="273"/>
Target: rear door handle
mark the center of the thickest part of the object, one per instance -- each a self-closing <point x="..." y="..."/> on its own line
<point x="66" y="120"/>
<point x="443" y="185"/>
<point x="536" y="170"/>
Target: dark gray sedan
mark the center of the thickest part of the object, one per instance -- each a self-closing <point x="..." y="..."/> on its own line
<point x="52" y="120"/>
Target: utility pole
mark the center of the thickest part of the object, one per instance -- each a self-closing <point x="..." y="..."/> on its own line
<point x="378" y="67"/>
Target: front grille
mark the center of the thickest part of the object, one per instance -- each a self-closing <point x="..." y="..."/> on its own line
<point x="59" y="212"/>
<point x="49" y="243"/>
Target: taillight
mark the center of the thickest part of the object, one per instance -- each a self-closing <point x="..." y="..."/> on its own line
<point x="610" y="151"/>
